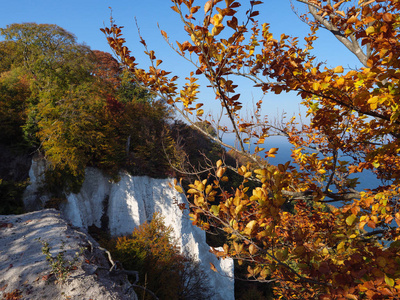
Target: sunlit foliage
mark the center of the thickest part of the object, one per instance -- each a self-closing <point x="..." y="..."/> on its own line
<point x="78" y="108"/>
<point x="315" y="251"/>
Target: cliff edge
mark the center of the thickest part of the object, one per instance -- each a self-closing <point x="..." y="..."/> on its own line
<point x="26" y="274"/>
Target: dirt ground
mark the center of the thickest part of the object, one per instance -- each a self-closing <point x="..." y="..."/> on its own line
<point x="26" y="274"/>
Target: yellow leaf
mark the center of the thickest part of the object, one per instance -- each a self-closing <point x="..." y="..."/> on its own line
<point x="369" y="30"/>
<point x="253" y="249"/>
<point x="217" y="19"/>
<point x="216" y="30"/>
<point x="350" y="219"/>
<point x="174" y="8"/>
<point x="338" y="69"/>
<point x="340" y="81"/>
<point x="273" y="150"/>
<point x="314" y="71"/>
<point x="219" y="163"/>
<point x="238" y="208"/>
<point x="207" y="6"/>
<point x="220" y="172"/>
<point x="209" y="188"/>
<point x="179" y="189"/>
<point x="247" y="174"/>
<point x="389" y="281"/>
<point x="215" y="209"/>
<point x="238" y="247"/>
<point x="226" y="248"/>
<point x="250" y="226"/>
<point x="192" y="191"/>
<point x="200" y="112"/>
<point x="373" y="102"/>
<point x="341" y="246"/>
<point x="341" y="13"/>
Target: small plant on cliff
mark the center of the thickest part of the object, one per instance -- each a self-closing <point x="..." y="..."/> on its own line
<point x="60" y="266"/>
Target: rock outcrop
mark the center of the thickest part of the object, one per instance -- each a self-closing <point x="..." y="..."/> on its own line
<point x="25" y="273"/>
<point x="122" y="206"/>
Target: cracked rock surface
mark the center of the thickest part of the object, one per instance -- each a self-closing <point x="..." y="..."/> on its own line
<point x="25" y="273"/>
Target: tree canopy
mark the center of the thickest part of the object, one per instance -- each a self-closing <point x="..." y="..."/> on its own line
<point x="316" y="250"/>
<point x="77" y="107"/>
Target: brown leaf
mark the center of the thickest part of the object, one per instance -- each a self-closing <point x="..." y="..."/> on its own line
<point x="387" y="17"/>
<point x="213" y="267"/>
<point x="174" y="8"/>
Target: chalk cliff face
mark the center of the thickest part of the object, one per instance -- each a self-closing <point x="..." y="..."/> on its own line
<point x="124" y="205"/>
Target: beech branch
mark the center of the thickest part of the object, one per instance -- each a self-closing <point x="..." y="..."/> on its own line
<point x="349" y="42"/>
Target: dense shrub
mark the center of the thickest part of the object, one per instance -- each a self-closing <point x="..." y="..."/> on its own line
<point x="151" y="250"/>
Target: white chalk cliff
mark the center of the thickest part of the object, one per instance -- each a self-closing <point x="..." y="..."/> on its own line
<point x="132" y="201"/>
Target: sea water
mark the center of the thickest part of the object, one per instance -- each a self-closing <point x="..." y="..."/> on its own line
<point x="366" y="179"/>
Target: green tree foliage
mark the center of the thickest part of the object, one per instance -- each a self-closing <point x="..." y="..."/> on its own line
<point x="69" y="129"/>
<point x="129" y="91"/>
<point x="8" y="56"/>
<point x="78" y="107"/>
<point x="55" y="64"/>
<point x="148" y="131"/>
<point x="151" y="250"/>
<point x="50" y="53"/>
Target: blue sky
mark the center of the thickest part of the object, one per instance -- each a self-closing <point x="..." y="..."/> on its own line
<point x="84" y="18"/>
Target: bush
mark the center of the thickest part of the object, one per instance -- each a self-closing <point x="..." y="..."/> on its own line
<point x="151" y="251"/>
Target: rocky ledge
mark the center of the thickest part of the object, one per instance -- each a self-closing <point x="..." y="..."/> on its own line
<point x="26" y="274"/>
